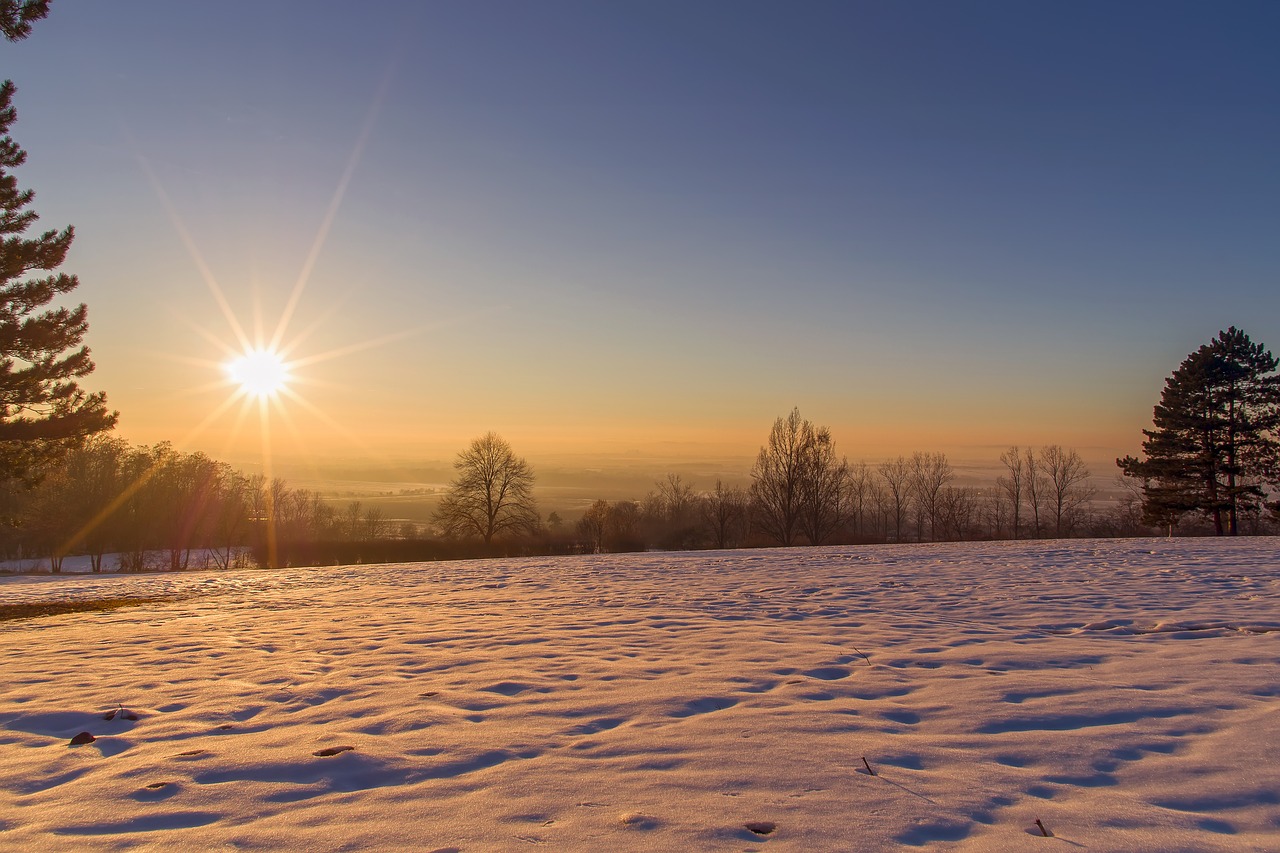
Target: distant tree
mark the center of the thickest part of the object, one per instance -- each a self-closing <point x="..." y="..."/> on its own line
<point x="957" y="512"/>
<point x="896" y="474"/>
<point x="43" y="410"/>
<point x="229" y="525"/>
<point x="1214" y="449"/>
<point x="555" y="522"/>
<point x="668" y="515"/>
<point x="593" y="523"/>
<point x="798" y="485"/>
<point x="995" y="510"/>
<point x="349" y="521"/>
<point x="929" y="473"/>
<point x="622" y="528"/>
<point x="1035" y="488"/>
<point x="776" y="489"/>
<point x="492" y="494"/>
<point x="1012" y="485"/>
<point x="678" y="500"/>
<point x="613" y="527"/>
<point x="858" y="483"/>
<point x="824" y="489"/>
<point x="1067" y="478"/>
<point x="374" y="524"/>
<point x="95" y="471"/>
<point x="724" y="515"/>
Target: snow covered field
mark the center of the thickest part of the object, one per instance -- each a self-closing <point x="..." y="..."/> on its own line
<point x="1126" y="694"/>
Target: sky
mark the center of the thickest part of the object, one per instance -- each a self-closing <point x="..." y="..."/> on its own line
<point x="653" y="227"/>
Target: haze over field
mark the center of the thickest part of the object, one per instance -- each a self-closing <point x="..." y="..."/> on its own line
<point x="654" y="227"/>
<point x="1122" y="693"/>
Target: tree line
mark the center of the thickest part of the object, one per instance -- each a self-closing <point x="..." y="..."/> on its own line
<point x="802" y="493"/>
<point x="1211" y="467"/>
<point x="1211" y="462"/>
<point x="154" y="507"/>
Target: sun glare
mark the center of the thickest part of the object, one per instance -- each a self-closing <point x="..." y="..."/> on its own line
<point x="259" y="373"/>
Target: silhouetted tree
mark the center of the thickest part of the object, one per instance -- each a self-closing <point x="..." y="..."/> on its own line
<point x="798" y="485"/>
<point x="1214" y="448"/>
<point x="724" y="515"/>
<point x="492" y="495"/>
<point x="592" y="524"/>
<point x="17" y="16"/>
<point x="929" y="473"/>
<point x="1013" y="485"/>
<point x="896" y="474"/>
<point x="1068" y="487"/>
<point x="1034" y="487"/>
<point x="43" y="410"/>
<point x="824" y="489"/>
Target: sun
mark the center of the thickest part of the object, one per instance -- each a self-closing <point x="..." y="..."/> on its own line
<point x="259" y="373"/>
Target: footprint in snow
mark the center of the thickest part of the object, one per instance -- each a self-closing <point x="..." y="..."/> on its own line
<point x="761" y="827"/>
<point x="332" y="750"/>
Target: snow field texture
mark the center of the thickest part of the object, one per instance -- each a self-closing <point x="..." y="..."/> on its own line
<point x="1123" y="693"/>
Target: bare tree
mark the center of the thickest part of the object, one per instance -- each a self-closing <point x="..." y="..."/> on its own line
<point x="995" y="511"/>
<point x="1128" y="512"/>
<point x="776" y="490"/>
<point x="678" y="500"/>
<point x="929" y="473"/>
<point x="374" y="524"/>
<point x="593" y="522"/>
<point x="824" y="489"/>
<point x="349" y="521"/>
<point x="958" y="511"/>
<point x="669" y="515"/>
<point x="492" y="494"/>
<point x="1069" y="491"/>
<point x="1034" y="487"/>
<point x="798" y="484"/>
<point x="622" y="528"/>
<point x="861" y="491"/>
<point x="1013" y="484"/>
<point x="724" y="515"/>
<point x="896" y="474"/>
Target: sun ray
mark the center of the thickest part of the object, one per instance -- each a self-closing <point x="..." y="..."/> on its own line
<point x="189" y="242"/>
<point x="131" y="489"/>
<point x="300" y="338"/>
<point x="371" y="343"/>
<point x="330" y="422"/>
<point x="209" y="336"/>
<point x="269" y="473"/>
<point x="238" y="424"/>
<point x="322" y="234"/>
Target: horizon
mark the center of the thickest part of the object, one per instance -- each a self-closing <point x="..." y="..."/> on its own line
<point x="650" y="230"/>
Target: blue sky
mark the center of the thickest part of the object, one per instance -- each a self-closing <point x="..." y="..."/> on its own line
<point x="606" y="225"/>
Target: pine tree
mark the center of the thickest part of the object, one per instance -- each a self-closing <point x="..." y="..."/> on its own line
<point x="43" y="410"/>
<point x="17" y="17"/>
<point x="1215" y="448"/>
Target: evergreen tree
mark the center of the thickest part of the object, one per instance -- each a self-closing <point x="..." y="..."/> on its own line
<point x="17" y="17"/>
<point x="1215" y="448"/>
<point x="43" y="410"/>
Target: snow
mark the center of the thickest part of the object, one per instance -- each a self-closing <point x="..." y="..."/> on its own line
<point x="1123" y="693"/>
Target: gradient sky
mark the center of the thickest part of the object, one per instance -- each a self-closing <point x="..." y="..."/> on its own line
<point x="659" y="225"/>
